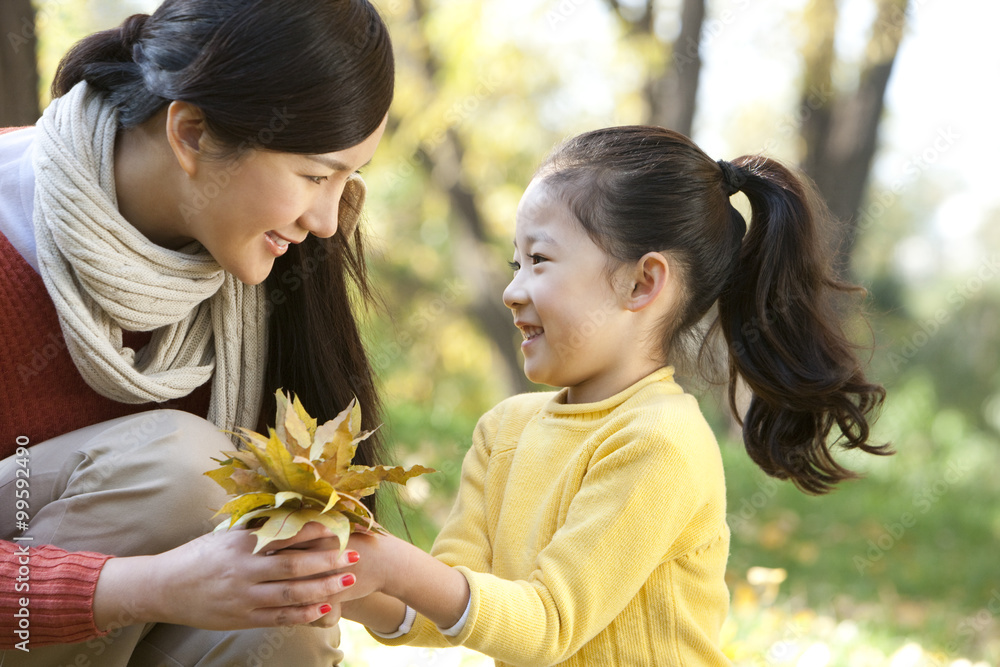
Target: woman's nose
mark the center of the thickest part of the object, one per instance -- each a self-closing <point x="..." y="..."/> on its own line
<point x="320" y="221"/>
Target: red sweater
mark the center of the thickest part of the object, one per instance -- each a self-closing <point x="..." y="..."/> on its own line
<point x="42" y="395"/>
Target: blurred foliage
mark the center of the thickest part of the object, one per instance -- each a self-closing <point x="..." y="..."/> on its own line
<point x="899" y="568"/>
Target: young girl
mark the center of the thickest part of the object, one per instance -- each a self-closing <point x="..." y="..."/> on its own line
<point x="178" y="231"/>
<point x="590" y="523"/>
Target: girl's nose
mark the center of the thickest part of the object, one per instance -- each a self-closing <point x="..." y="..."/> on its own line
<point x="514" y="294"/>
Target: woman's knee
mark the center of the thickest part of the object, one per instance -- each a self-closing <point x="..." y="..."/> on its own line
<point x="153" y="463"/>
<point x="185" y="443"/>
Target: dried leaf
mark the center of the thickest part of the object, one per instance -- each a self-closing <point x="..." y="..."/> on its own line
<point x="287" y="496"/>
<point x="307" y="420"/>
<point x="297" y="431"/>
<point x="248" y="502"/>
<point x="282" y="523"/>
<point x="251" y="480"/>
<point x="279" y="419"/>
<point x="357" y="478"/>
<point x="303" y="472"/>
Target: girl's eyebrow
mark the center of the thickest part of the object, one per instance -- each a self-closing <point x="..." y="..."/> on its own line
<point x="538" y="237"/>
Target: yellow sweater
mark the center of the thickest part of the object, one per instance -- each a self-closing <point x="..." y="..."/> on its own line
<point x="591" y="534"/>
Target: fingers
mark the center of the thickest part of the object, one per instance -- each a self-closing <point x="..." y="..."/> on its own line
<point x="311" y="531"/>
<point x="321" y="615"/>
<point x="297" y="593"/>
<point x="329" y="618"/>
<point x="301" y="564"/>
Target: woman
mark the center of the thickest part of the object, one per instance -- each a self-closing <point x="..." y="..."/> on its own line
<point x="178" y="231"/>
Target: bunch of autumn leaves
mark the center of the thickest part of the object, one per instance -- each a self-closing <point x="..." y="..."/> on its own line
<point x="302" y="472"/>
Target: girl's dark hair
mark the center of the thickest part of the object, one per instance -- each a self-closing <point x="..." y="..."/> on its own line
<point x="640" y="189"/>
<point x="297" y="76"/>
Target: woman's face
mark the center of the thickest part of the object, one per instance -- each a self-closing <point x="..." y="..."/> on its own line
<point x="246" y="211"/>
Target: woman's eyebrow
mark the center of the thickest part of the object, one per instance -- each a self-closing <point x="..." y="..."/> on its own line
<point x="334" y="163"/>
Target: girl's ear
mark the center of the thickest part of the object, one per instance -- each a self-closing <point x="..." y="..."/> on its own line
<point x="651" y="281"/>
<point x="185" y="133"/>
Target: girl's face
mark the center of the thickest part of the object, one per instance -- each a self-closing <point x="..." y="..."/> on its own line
<point x="575" y="326"/>
<point x="245" y="213"/>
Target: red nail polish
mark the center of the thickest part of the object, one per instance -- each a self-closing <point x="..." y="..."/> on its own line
<point x="353" y="556"/>
<point x="347" y="580"/>
<point x="325" y="609"/>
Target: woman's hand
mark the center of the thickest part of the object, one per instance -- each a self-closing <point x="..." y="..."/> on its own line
<point x="215" y="582"/>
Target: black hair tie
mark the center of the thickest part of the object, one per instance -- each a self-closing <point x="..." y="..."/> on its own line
<point x="733" y="177"/>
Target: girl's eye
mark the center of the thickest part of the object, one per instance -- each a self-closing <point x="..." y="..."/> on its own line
<point x="317" y="179"/>
<point x="535" y="259"/>
<point x="514" y="266"/>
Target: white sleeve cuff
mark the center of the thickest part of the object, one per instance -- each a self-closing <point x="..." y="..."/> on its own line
<point x="404" y="627"/>
<point x="456" y="629"/>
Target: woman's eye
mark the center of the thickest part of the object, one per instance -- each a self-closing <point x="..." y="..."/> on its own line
<point x="514" y="266"/>
<point x="317" y="179"/>
<point x="535" y="259"/>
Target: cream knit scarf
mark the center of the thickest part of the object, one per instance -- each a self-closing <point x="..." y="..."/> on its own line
<point x="105" y="277"/>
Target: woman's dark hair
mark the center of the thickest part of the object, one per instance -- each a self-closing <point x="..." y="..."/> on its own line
<point x="297" y="76"/>
<point x="640" y="189"/>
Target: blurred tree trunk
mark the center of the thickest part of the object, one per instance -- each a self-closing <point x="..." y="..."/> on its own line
<point x="672" y="93"/>
<point x="473" y="258"/>
<point x="840" y="129"/>
<point x="18" y="64"/>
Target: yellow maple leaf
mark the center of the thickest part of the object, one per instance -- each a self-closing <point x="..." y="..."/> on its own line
<point x="303" y="472"/>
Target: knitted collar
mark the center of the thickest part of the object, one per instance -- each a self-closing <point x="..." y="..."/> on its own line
<point x="558" y="406"/>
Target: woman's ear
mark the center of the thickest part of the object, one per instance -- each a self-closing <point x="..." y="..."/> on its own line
<point x="651" y="281"/>
<point x="185" y="133"/>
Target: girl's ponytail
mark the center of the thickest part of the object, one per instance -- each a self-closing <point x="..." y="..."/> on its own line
<point x="778" y="314"/>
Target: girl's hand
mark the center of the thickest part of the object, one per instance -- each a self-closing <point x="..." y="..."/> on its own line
<point x="391" y="573"/>
<point x="215" y="582"/>
<point x="363" y="577"/>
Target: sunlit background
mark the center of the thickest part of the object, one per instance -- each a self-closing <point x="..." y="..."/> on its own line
<point x="898" y="569"/>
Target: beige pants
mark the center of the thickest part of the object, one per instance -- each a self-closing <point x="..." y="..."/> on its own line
<point x="134" y="486"/>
